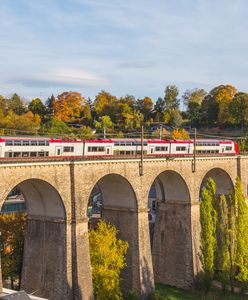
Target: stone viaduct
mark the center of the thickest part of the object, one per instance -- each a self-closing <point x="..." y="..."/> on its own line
<point x="56" y="253"/>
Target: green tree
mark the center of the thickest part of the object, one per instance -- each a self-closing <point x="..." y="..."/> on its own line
<point x="239" y="109"/>
<point x="107" y="254"/>
<point x="104" y="123"/>
<point x="194" y="113"/>
<point x="37" y="107"/>
<point x="84" y="132"/>
<point x="16" y="104"/>
<point x="222" y="253"/>
<point x="170" y="97"/>
<point x="208" y="231"/>
<point x="56" y="127"/>
<point x="242" y="234"/>
<point x="159" y="109"/>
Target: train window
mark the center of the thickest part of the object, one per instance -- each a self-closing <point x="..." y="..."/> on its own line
<point x="128" y="143"/>
<point x="17" y="143"/>
<point x="41" y="154"/>
<point x="161" y="148"/>
<point x="8" y="143"/>
<point x="17" y="154"/>
<point x="180" y="148"/>
<point x="95" y="149"/>
<point x="228" y="148"/>
<point x="42" y="143"/>
<point x="34" y="143"/>
<point x="25" y="154"/>
<point x="33" y="154"/>
<point x="68" y="149"/>
<point x="117" y="143"/>
<point x="25" y="143"/>
<point x="8" y="154"/>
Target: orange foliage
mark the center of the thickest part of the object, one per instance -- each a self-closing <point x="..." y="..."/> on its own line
<point x="180" y="134"/>
<point x="68" y="106"/>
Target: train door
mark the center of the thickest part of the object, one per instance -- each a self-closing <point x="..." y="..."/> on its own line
<point x="0" y="151"/>
<point x="151" y="150"/>
<point x="58" y="150"/>
<point x="108" y="150"/>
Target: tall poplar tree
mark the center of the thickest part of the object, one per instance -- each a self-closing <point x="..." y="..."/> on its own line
<point x="222" y="253"/>
<point x="242" y="234"/>
<point x="208" y="231"/>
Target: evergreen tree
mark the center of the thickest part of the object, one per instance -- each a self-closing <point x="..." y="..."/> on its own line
<point x="242" y="234"/>
<point x="208" y="231"/>
<point x="233" y="237"/>
<point x="222" y="253"/>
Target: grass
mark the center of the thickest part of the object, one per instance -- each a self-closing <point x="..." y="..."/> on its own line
<point x="172" y="293"/>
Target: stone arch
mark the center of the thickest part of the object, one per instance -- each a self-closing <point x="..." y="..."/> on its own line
<point x="171" y="186"/>
<point x="172" y="245"/>
<point x="224" y="183"/>
<point x="44" y="259"/>
<point x="119" y="207"/>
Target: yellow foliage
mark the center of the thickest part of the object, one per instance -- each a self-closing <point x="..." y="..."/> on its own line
<point x="107" y="254"/>
<point x="12" y="228"/>
<point x="180" y="134"/>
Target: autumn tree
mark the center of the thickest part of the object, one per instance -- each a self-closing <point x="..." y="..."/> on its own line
<point x="12" y="228"/>
<point x="104" y="104"/>
<point x="180" y="134"/>
<point x="194" y="96"/>
<point x="215" y="106"/>
<point x="208" y="231"/>
<point x="26" y="123"/>
<point x="68" y="106"/>
<point x="3" y="104"/>
<point x="145" y="106"/>
<point x="107" y="254"/>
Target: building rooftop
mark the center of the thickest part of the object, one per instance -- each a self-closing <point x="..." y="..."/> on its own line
<point x="17" y="295"/>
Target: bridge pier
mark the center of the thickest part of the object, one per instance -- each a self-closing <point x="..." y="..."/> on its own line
<point x="175" y="255"/>
<point x="81" y="266"/>
<point x="44" y="270"/>
<point x="133" y="228"/>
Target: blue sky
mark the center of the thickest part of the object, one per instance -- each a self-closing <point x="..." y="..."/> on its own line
<point x="133" y="47"/>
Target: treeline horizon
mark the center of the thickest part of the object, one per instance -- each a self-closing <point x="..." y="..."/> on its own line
<point x="223" y="107"/>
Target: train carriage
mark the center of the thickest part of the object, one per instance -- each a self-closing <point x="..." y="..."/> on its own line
<point x="21" y="147"/>
<point x="32" y="147"/>
<point x="98" y="148"/>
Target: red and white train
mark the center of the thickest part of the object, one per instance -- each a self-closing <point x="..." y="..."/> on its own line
<point x="32" y="147"/>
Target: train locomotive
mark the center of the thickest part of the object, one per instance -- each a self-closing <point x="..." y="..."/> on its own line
<point x="40" y="147"/>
